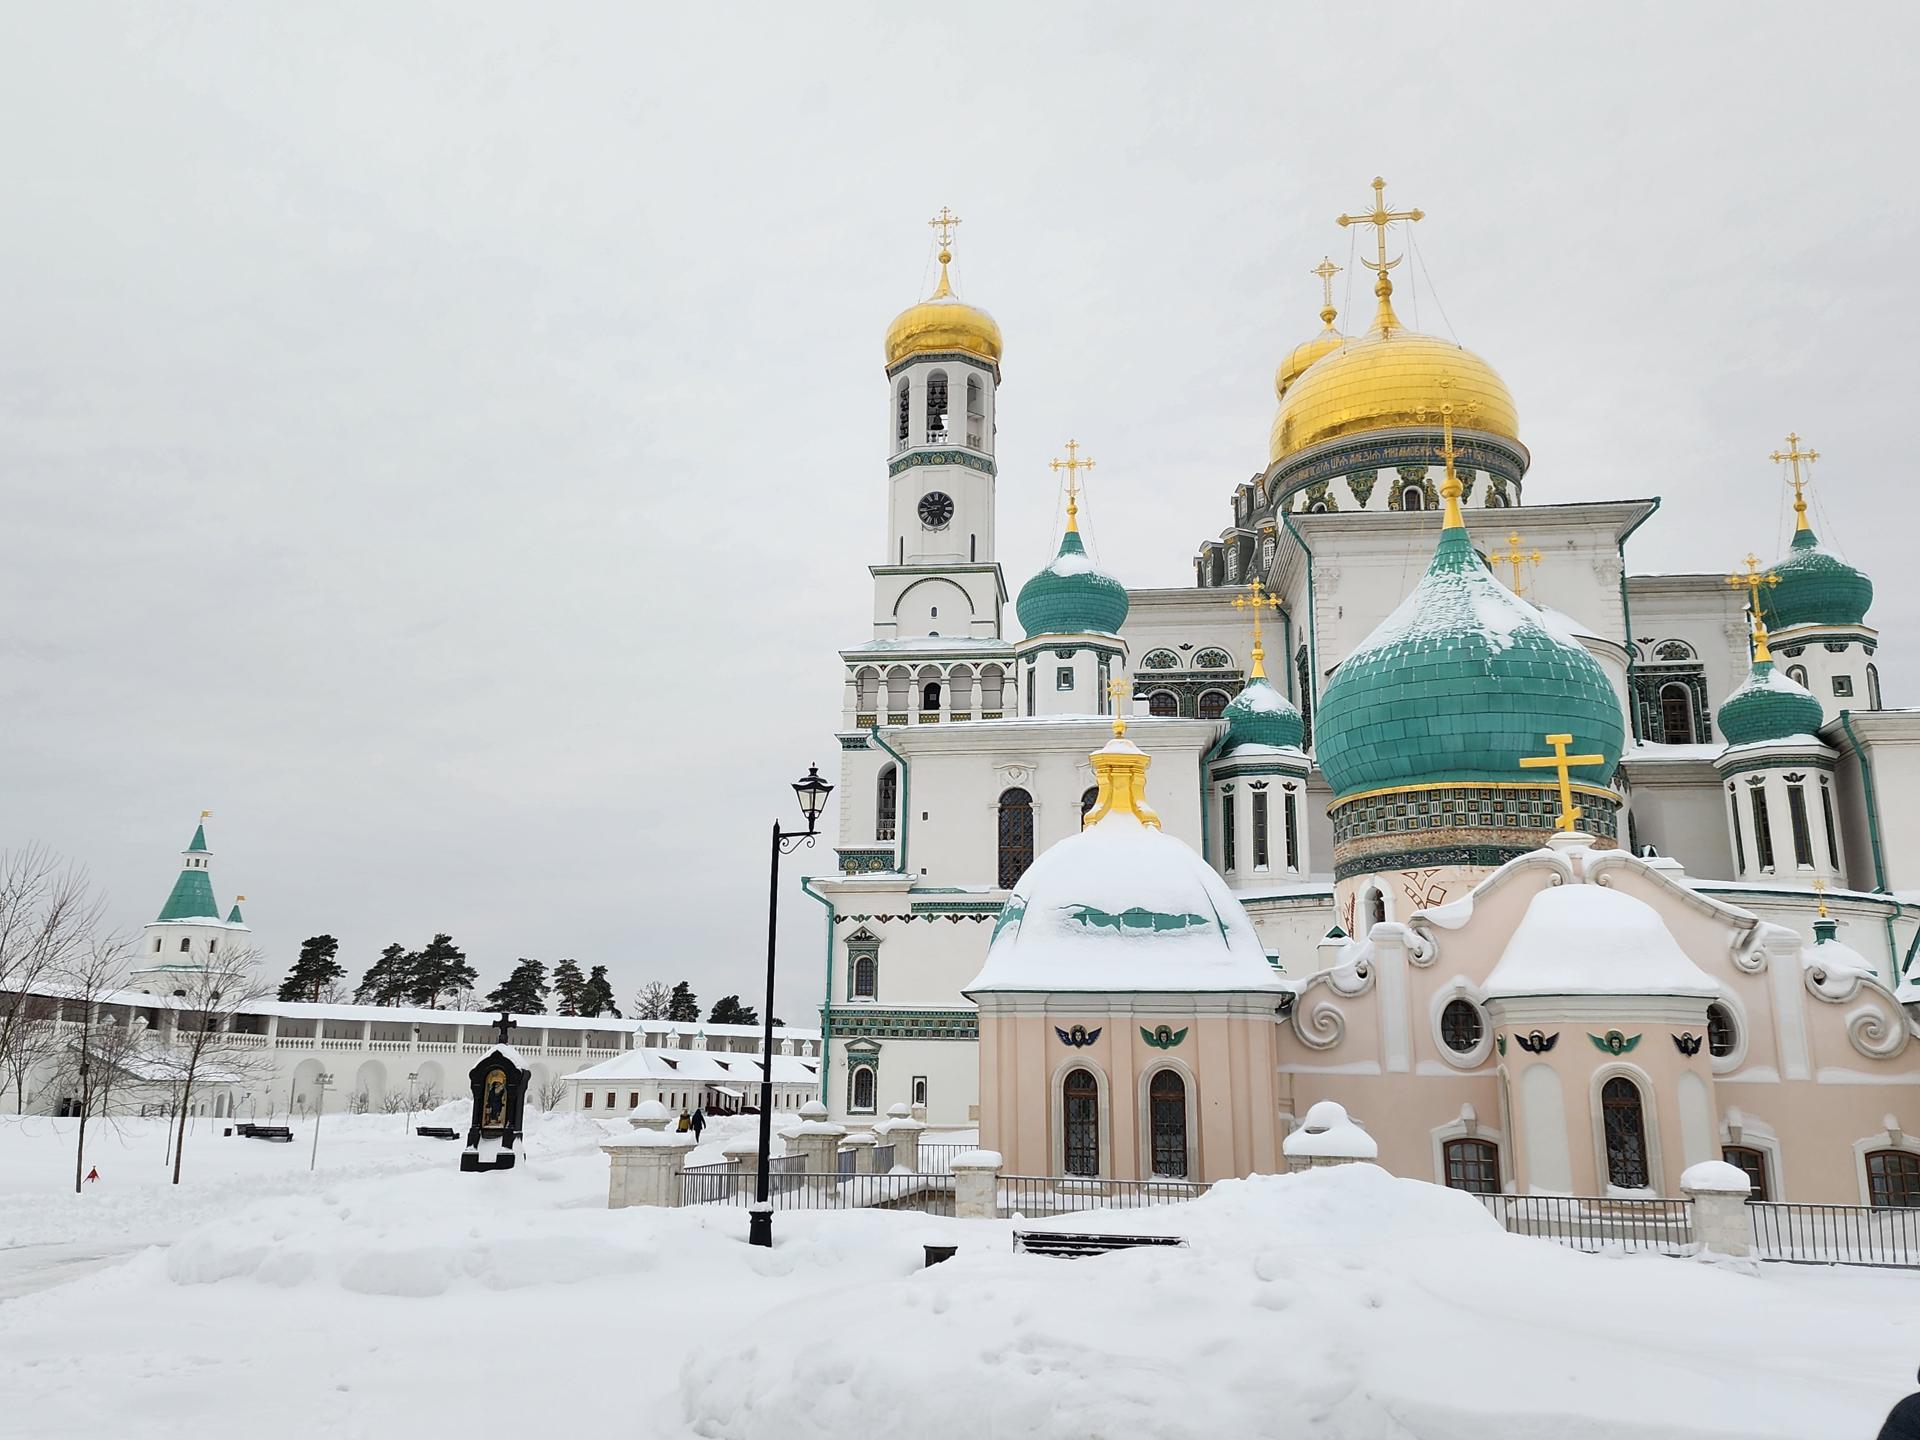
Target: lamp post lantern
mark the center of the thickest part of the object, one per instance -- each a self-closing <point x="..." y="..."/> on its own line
<point x="812" y="794"/>
<point x="320" y="1084"/>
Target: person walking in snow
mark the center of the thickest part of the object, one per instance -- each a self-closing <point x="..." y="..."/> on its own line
<point x="699" y="1123"/>
<point x="684" y="1123"/>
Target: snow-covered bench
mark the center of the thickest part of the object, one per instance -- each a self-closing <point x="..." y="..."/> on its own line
<point x="1065" y="1246"/>
<point x="279" y="1134"/>
<point x="436" y="1132"/>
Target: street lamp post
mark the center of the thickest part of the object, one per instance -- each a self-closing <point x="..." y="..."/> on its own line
<point x="320" y="1084"/>
<point x="412" y="1077"/>
<point x="812" y="794"/>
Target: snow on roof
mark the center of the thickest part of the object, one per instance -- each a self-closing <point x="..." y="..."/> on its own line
<point x="1641" y="750"/>
<point x="1563" y="626"/>
<point x="1123" y="906"/>
<point x="695" y="1027"/>
<point x="702" y="1066"/>
<point x="1591" y="940"/>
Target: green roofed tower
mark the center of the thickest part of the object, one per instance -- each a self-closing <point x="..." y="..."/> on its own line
<point x="1072" y="615"/>
<point x="189" y="928"/>
<point x="192" y="895"/>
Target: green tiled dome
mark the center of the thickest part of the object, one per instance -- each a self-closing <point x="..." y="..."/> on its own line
<point x="1768" y="706"/>
<point x="1261" y="715"/>
<point x="1816" y="588"/>
<point x="1070" y="597"/>
<point x="1458" y="684"/>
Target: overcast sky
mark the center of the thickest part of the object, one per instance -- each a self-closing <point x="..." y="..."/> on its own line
<point x="446" y="441"/>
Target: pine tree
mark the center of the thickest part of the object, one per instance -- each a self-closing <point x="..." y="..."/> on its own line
<point x="440" y="969"/>
<point x="728" y="1010"/>
<point x="389" y="980"/>
<point x="314" y="970"/>
<point x="569" y="986"/>
<point x="683" y="1004"/>
<point x="596" y="996"/>
<point x="524" y="992"/>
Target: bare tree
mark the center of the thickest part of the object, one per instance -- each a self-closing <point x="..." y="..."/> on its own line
<point x="99" y="1047"/>
<point x="203" y="1045"/>
<point x="651" y="1000"/>
<point x="553" y="1090"/>
<point x="36" y="1040"/>
<point x="48" y="916"/>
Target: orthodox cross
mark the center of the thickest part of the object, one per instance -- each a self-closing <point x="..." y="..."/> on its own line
<point x="1120" y="688"/>
<point x="1326" y="270"/>
<point x="1751" y="583"/>
<point x="1451" y="488"/>
<point x="1073" y="465"/>
<point x="1380" y="217"/>
<point x="944" y="223"/>
<point x="1791" y="457"/>
<point x="505" y="1023"/>
<point x="1515" y="559"/>
<point x="1820" y="889"/>
<point x="1259" y="600"/>
<point x="206" y="814"/>
<point x="1562" y="762"/>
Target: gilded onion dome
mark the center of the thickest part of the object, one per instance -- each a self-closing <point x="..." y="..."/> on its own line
<point x="943" y="322"/>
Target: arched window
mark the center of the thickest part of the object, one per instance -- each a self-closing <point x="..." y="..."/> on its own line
<point x="1161" y="660"/>
<point x="1797" y="674"/>
<point x="1495" y="500"/>
<point x="930" y="696"/>
<point x="1080" y="1105"/>
<point x="1318" y="507"/>
<point x="1167" y="1121"/>
<point x="1762" y="828"/>
<point x="1213" y="704"/>
<point x="1016" y="836"/>
<point x="1626" y="1134"/>
<point x="1376" y="909"/>
<point x="1873" y="687"/>
<point x="1753" y="1164"/>
<point x="866" y="977"/>
<point x="1211" y="659"/>
<point x="861" y="1098"/>
<point x="1676" y="714"/>
<point x="886" y="803"/>
<point x="1087" y="799"/>
<point x="186" y="945"/>
<point x="901" y="427"/>
<point x="1720" y="1032"/>
<point x="937" y="406"/>
<point x="1413" y="497"/>
<point x="1893" y="1179"/>
<point x="1163" y="702"/>
<point x="1472" y="1165"/>
<point x="976" y="413"/>
<point x="1460" y="1027"/>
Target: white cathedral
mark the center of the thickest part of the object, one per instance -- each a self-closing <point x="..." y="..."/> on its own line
<point x="965" y="752"/>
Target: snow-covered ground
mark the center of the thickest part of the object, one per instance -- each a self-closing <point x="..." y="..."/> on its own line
<point x="386" y="1294"/>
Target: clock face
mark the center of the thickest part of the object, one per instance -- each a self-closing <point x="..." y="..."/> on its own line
<point x="936" y="510"/>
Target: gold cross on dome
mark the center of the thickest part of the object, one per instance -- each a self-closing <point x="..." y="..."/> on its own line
<point x="1326" y="270"/>
<point x="1820" y="889"/>
<point x="1562" y="762"/>
<point x="1791" y="457"/>
<point x="1120" y="690"/>
<point x="1447" y="410"/>
<point x="1751" y="582"/>
<point x="1073" y="465"/>
<point x="1515" y="559"/>
<point x="944" y="223"/>
<point x="1380" y="218"/>
<point x="1259" y="600"/>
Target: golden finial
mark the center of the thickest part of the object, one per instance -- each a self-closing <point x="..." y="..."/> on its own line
<point x="1326" y="270"/>
<point x="1380" y="218"/>
<point x="1120" y="767"/>
<point x="1073" y="465"/>
<point x="206" y="814"/>
<point x="1450" y="488"/>
<point x="944" y="223"/>
<point x="1562" y="762"/>
<point x="1120" y="690"/>
<point x="1791" y="457"/>
<point x="1751" y="583"/>
<point x="239" y="899"/>
<point x="1515" y="559"/>
<point x="1258" y="599"/>
<point x="1820" y="889"/>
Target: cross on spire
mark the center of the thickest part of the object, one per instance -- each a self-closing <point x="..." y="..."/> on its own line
<point x="1515" y="559"/>
<point x="1820" y="889"/>
<point x="1326" y="270"/>
<point x="1259" y="600"/>
<point x="1120" y="690"/>
<point x="1451" y="488"/>
<point x="1562" y="762"/>
<point x="944" y="223"/>
<point x="1380" y="217"/>
<point x="1073" y="465"/>
<point x="1751" y="583"/>
<point x="1791" y="457"/>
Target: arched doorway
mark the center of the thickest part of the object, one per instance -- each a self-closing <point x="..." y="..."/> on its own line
<point x="1626" y="1133"/>
<point x="1167" y="1121"/>
<point x="1080" y="1110"/>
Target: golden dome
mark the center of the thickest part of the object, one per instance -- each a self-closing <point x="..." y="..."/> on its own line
<point x="1302" y="355"/>
<point x="943" y="321"/>
<point x="1383" y="380"/>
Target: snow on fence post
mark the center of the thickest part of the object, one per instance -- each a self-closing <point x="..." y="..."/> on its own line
<point x="649" y="1115"/>
<point x="976" y="1185"/>
<point x="817" y="1139"/>
<point x="904" y="1131"/>
<point x="1719" y="1194"/>
<point x="1327" y="1136"/>
<point x="644" y="1168"/>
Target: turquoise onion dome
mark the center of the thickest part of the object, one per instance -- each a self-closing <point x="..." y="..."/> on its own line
<point x="1815" y="587"/>
<point x="1458" y="684"/>
<point x="1261" y="715"/>
<point x="1769" y="706"/>
<point x="1070" y="597"/>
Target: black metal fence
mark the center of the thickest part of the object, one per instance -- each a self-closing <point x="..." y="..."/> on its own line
<point x="936" y="1156"/>
<point x="1590" y="1222"/>
<point x="1060" y="1195"/>
<point x="1835" y="1234"/>
<point x="882" y="1158"/>
<point x="701" y="1183"/>
<point x="792" y="1190"/>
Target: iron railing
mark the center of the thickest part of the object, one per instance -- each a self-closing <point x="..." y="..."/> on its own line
<point x="936" y="1156"/>
<point x="882" y="1158"/>
<point x="927" y="1194"/>
<point x="843" y="1162"/>
<point x="1590" y="1222"/>
<point x="1835" y="1234"/>
<point x="701" y="1183"/>
<point x="1060" y="1195"/>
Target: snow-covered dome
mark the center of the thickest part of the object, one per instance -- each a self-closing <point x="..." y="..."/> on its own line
<point x="1070" y="597"/>
<point x="1123" y="906"/>
<point x="1593" y="940"/>
<point x="1261" y="715"/>
<point x="1768" y="706"/>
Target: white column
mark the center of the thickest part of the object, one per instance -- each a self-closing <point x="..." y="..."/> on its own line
<point x="645" y="1168"/>
<point x="976" y="1185"/>
<point x="1719" y="1194"/>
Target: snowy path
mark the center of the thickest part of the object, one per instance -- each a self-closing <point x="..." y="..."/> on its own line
<point x="25" y="1269"/>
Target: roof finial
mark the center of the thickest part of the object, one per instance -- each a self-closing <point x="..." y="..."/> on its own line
<point x="1561" y="762"/>
<point x="1751" y="583"/>
<point x="1791" y="457"/>
<point x="1073" y="465"/>
<point x="1120" y="689"/>
<point x="1258" y="599"/>
<point x="1380" y="218"/>
<point x="1450" y="489"/>
<point x="944" y="223"/>
<point x="1121" y="768"/>
<point x="1820" y="889"/>
<point x="1515" y="559"/>
<point x="1326" y="270"/>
